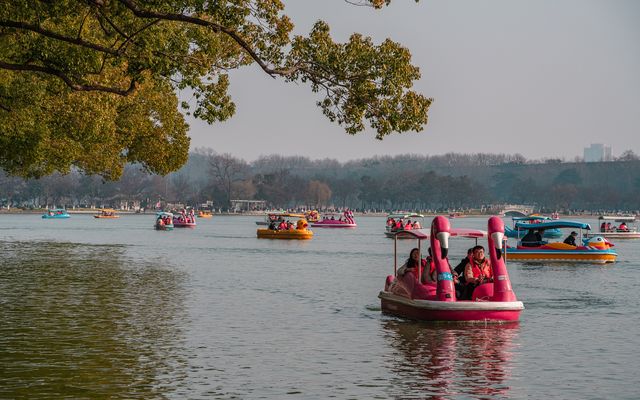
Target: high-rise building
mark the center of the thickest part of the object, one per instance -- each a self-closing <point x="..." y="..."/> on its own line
<point x="597" y="152"/>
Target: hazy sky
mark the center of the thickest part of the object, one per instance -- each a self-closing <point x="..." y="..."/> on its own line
<point x="543" y="78"/>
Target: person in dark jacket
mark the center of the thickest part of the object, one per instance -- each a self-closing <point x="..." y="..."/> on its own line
<point x="571" y="239"/>
<point x="531" y="239"/>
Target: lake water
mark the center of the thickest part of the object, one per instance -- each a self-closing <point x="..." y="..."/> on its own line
<point x="95" y="308"/>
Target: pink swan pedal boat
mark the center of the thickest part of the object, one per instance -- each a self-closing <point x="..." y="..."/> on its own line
<point x="184" y="221"/>
<point x="494" y="301"/>
<point x="329" y="220"/>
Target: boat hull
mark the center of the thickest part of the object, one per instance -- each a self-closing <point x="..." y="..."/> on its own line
<point x="469" y="311"/>
<point x="400" y="235"/>
<point x="64" y="216"/>
<point x="184" y="225"/>
<point x="577" y="256"/>
<point x="291" y="234"/>
<point x="163" y="227"/>
<point x="106" y="217"/>
<point x="616" y="235"/>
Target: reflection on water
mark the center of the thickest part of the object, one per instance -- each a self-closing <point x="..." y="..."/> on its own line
<point x="441" y="360"/>
<point x="83" y="321"/>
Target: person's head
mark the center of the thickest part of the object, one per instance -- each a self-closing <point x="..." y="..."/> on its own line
<point x="574" y="233"/>
<point x="414" y="254"/>
<point x="478" y="253"/>
<point x="470" y="252"/>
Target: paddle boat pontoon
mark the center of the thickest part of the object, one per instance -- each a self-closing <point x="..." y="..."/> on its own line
<point x="596" y="249"/>
<point x="107" y="213"/>
<point x="164" y="221"/>
<point x="396" y="224"/>
<point x="299" y="232"/>
<point x="493" y="301"/>
<point x="56" y="213"/>
<point x="551" y="233"/>
<point x="329" y="220"/>
<point x="277" y="217"/>
<point x="627" y="228"/>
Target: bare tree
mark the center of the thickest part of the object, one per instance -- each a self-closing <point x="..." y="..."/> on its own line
<point x="226" y="171"/>
<point x="318" y="193"/>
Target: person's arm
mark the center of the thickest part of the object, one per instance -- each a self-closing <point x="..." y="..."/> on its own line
<point x="402" y="270"/>
<point x="468" y="274"/>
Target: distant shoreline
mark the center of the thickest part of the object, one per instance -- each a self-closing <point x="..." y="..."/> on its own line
<point x="262" y="213"/>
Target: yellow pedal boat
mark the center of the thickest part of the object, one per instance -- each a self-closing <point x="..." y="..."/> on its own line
<point x="205" y="214"/>
<point x="300" y="233"/>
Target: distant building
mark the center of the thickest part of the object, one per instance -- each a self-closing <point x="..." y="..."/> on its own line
<point x="597" y="152"/>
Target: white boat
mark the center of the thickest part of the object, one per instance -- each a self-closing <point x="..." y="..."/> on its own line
<point x="392" y="231"/>
<point x="617" y="227"/>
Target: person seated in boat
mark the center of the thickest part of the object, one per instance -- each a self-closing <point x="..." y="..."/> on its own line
<point x="408" y="226"/>
<point x="412" y="263"/>
<point x="609" y="228"/>
<point x="290" y="226"/>
<point x="571" y="239"/>
<point x="459" y="269"/>
<point x="531" y="239"/>
<point x="272" y="225"/>
<point x="458" y="273"/>
<point x="282" y="225"/>
<point x="429" y="273"/>
<point x="603" y="227"/>
<point x="623" y="227"/>
<point x="391" y="222"/>
<point x="416" y="225"/>
<point x="333" y="218"/>
<point x="477" y="271"/>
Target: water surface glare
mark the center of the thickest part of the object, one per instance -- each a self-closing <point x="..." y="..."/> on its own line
<point x="95" y="308"/>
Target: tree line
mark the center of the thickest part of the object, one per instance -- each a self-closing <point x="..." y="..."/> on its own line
<point x="405" y="182"/>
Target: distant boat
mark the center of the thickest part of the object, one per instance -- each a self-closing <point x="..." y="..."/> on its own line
<point x="56" y="213"/>
<point x="164" y="221"/>
<point x="627" y="229"/>
<point x="107" y="213"/>
<point x="329" y="220"/>
<point x="205" y="214"/>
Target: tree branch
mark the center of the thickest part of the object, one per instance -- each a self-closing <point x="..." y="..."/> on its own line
<point x="54" y="35"/>
<point x="130" y="38"/>
<point x="73" y="85"/>
<point x="142" y="13"/>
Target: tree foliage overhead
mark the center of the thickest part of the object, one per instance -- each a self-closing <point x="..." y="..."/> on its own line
<point x="93" y="84"/>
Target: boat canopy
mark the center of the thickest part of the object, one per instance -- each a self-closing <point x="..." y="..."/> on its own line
<point x="557" y="223"/>
<point x="163" y="214"/>
<point x="285" y="214"/>
<point x="405" y="215"/>
<point x="423" y="234"/>
<point x="617" y="218"/>
<point x="531" y="218"/>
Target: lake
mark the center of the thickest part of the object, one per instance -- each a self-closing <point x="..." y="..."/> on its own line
<point x="94" y="308"/>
